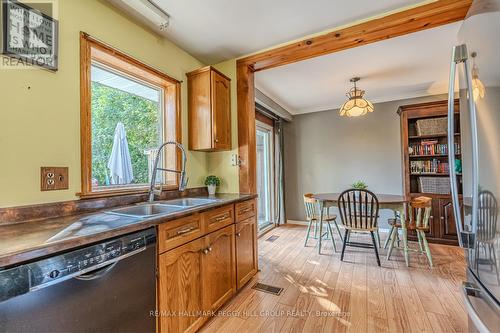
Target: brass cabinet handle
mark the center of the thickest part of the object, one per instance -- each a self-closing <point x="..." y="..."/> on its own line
<point x="209" y="249"/>
<point x="205" y="251"/>
<point x="246" y="210"/>
<point x="216" y="140"/>
<point x="238" y="234"/>
<point x="221" y="218"/>
<point x="185" y="231"/>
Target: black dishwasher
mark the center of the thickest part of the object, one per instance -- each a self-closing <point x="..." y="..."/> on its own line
<point x="105" y="287"/>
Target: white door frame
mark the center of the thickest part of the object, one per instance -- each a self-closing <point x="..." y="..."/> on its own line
<point x="270" y="129"/>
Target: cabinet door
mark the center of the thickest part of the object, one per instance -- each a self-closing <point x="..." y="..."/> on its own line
<point x="219" y="268"/>
<point x="200" y="112"/>
<point x="221" y="111"/>
<point x="246" y="251"/>
<point x="447" y="219"/>
<point x="433" y="222"/>
<point x="180" y="292"/>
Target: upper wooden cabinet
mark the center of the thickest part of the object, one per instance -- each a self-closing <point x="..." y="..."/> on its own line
<point x="209" y="95"/>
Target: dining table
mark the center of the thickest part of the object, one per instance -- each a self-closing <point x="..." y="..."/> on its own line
<point x="395" y="202"/>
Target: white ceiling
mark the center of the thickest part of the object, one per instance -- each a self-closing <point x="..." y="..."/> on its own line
<point x="217" y="30"/>
<point x="402" y="67"/>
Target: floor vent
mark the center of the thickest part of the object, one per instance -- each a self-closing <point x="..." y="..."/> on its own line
<point x="267" y="288"/>
<point x="272" y="238"/>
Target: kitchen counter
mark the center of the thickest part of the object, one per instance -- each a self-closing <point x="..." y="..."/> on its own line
<point x="20" y="242"/>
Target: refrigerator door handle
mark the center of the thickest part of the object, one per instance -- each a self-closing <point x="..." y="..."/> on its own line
<point x="474" y="144"/>
<point x="458" y="55"/>
<point x="470" y="290"/>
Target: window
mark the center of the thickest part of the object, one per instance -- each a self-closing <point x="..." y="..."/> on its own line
<point x="127" y="110"/>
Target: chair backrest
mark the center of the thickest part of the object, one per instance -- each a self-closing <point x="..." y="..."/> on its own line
<point x="420" y="212"/>
<point x="358" y="209"/>
<point x="310" y="206"/>
<point x="487" y="216"/>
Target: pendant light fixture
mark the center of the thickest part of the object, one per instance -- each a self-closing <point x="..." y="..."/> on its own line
<point x="477" y="86"/>
<point x="356" y="105"/>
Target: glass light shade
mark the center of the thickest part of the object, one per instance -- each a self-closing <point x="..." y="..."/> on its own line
<point x="477" y="86"/>
<point x="356" y="105"/>
<point x="477" y="89"/>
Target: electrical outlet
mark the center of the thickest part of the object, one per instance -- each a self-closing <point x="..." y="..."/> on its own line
<point x="54" y="178"/>
<point x="235" y="160"/>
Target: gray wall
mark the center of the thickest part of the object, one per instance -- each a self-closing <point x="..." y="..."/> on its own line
<point x="327" y="153"/>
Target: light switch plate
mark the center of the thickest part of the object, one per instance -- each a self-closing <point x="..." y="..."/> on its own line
<point x="235" y="160"/>
<point x="54" y="178"/>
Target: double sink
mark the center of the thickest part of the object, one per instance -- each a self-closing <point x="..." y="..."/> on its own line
<point x="161" y="208"/>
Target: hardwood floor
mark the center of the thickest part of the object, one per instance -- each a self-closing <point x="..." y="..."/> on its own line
<point x="323" y="294"/>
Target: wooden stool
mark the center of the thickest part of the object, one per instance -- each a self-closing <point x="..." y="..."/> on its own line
<point x="420" y="211"/>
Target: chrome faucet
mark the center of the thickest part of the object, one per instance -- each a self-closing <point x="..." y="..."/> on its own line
<point x="182" y="181"/>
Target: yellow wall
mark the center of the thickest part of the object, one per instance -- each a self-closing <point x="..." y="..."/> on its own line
<point x="40" y="112"/>
<point x="219" y="163"/>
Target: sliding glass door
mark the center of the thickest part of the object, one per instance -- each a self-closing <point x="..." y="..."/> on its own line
<point x="265" y="175"/>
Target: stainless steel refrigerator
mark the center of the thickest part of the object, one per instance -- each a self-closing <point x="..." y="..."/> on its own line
<point x="475" y="80"/>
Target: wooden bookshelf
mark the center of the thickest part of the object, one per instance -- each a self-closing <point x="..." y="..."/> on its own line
<point x="426" y="155"/>
<point x="430" y="136"/>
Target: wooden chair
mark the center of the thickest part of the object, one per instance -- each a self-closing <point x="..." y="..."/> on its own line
<point x="359" y="213"/>
<point x="312" y="217"/>
<point x="420" y="212"/>
<point x="487" y="229"/>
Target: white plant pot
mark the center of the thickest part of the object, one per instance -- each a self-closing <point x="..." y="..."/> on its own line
<point x="211" y="189"/>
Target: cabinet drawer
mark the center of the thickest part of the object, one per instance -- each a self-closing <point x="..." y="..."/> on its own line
<point x="178" y="232"/>
<point x="245" y="209"/>
<point x="218" y="218"/>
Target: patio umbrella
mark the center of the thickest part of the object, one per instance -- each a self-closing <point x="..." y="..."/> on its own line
<point x="119" y="164"/>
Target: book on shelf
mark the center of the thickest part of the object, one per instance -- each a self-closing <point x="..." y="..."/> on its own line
<point x="429" y="166"/>
<point x="431" y="147"/>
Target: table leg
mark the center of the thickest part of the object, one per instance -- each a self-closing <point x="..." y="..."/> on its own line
<point x="405" y="236"/>
<point x="321" y="206"/>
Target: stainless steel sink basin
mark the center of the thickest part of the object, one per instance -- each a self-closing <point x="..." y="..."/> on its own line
<point x="146" y="210"/>
<point x="189" y="202"/>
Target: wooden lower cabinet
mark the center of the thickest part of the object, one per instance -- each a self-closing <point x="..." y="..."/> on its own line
<point x="447" y="219"/>
<point x="219" y="266"/>
<point x="246" y="251"/>
<point x="203" y="259"/>
<point x="195" y="279"/>
<point x="180" y="289"/>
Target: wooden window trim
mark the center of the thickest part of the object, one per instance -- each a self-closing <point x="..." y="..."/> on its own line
<point x="93" y="49"/>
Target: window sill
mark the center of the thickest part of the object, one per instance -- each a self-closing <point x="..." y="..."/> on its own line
<point x="121" y="191"/>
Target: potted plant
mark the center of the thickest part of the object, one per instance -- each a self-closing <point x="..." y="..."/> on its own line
<point x="212" y="182"/>
<point x="359" y="185"/>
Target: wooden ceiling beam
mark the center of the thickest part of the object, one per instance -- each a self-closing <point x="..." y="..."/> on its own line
<point x="401" y="23"/>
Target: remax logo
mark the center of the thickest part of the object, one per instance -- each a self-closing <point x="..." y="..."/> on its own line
<point x="29" y="35"/>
